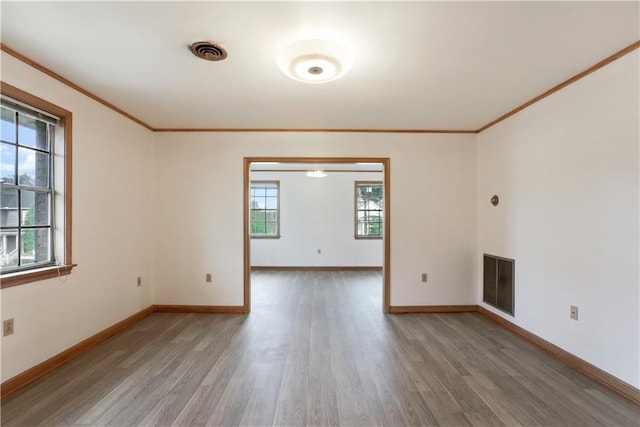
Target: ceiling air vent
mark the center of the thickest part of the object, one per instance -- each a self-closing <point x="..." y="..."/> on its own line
<point x="209" y="51"/>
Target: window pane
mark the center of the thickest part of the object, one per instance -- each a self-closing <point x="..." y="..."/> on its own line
<point x="271" y="228"/>
<point x="8" y="125"/>
<point x="8" y="165"/>
<point x="375" y="229"/>
<point x="272" y="192"/>
<point x="258" y="215"/>
<point x="8" y="248"/>
<point x="257" y="227"/>
<point x="33" y="168"/>
<point x="33" y="132"/>
<point x="35" y="208"/>
<point x="272" y="216"/>
<point x="259" y="192"/>
<point x="8" y="208"/>
<point x="35" y="246"/>
<point x="272" y="203"/>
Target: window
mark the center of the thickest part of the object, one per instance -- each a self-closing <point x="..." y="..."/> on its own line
<point x="265" y="209"/>
<point x="35" y="197"/>
<point x="369" y="209"/>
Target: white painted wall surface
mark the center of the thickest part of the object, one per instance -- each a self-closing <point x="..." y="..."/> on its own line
<point x="566" y="171"/>
<point x="317" y="213"/>
<point x="112" y="225"/>
<point x="199" y="210"/>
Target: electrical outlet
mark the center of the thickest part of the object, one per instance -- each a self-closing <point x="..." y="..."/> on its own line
<point x="574" y="312"/>
<point x="208" y="277"/>
<point x="7" y="327"/>
<point x="139" y="281"/>
<point x="319" y="251"/>
<point x="424" y="277"/>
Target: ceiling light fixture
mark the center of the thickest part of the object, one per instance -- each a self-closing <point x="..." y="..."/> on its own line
<point x="316" y="173"/>
<point x="315" y="60"/>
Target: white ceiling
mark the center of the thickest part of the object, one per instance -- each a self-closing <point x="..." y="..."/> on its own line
<point x="418" y="65"/>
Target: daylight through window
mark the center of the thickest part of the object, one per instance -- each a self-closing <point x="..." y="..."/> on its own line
<point x="265" y="209"/>
<point x="369" y="209"/>
<point x="26" y="193"/>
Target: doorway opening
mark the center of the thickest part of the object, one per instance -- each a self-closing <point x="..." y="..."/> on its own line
<point x="272" y="226"/>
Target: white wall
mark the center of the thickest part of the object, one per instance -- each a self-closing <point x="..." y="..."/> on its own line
<point x="112" y="227"/>
<point x="566" y="171"/>
<point x="433" y="210"/>
<point x="317" y="213"/>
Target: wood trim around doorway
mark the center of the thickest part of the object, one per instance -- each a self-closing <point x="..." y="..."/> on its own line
<point x="385" y="161"/>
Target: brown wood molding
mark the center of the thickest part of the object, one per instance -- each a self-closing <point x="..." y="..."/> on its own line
<point x="71" y="353"/>
<point x="323" y="170"/>
<point x="593" y="372"/>
<point x="314" y="268"/>
<point x="36" y="275"/>
<point x="70" y="84"/>
<point x="606" y="61"/>
<point x="405" y="309"/>
<point x="228" y="309"/>
<point x="246" y="182"/>
<point x="96" y="98"/>
<point x="66" y="117"/>
<point x="308" y="130"/>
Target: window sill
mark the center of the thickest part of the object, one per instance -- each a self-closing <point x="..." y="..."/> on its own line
<point x="24" y="277"/>
<point x="367" y="237"/>
<point x="265" y="237"/>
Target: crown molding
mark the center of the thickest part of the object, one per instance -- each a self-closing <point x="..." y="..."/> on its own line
<point x="619" y="54"/>
<point x="72" y="85"/>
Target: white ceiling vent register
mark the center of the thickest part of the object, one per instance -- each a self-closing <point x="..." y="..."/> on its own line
<point x="315" y="60"/>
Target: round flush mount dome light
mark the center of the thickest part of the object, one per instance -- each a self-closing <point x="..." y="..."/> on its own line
<point x="315" y="60"/>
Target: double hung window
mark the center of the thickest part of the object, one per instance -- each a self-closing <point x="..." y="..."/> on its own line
<point x="26" y="193"/>
<point x="265" y="209"/>
<point x="35" y="188"/>
<point x="369" y="209"/>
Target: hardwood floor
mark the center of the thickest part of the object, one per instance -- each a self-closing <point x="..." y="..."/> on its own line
<point x="316" y="350"/>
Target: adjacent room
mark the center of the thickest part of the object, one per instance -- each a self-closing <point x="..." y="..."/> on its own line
<point x="320" y="213"/>
<point x="317" y="217"/>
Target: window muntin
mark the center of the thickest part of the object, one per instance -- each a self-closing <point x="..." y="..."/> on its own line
<point x="369" y="209"/>
<point x="26" y="197"/>
<point x="264" y="203"/>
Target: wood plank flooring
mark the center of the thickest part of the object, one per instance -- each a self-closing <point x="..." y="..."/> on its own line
<point x="316" y="350"/>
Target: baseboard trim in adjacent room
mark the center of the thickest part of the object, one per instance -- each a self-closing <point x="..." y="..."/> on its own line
<point x="406" y="309"/>
<point x="624" y="389"/>
<point x="71" y="353"/>
<point x="227" y="309"/>
<point x="315" y="268"/>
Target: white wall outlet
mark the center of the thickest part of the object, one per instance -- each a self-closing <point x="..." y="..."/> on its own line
<point x="319" y="251"/>
<point x="424" y="278"/>
<point x="208" y="277"/>
<point x="7" y="327"/>
<point x="574" y="312"/>
<point x="139" y="281"/>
